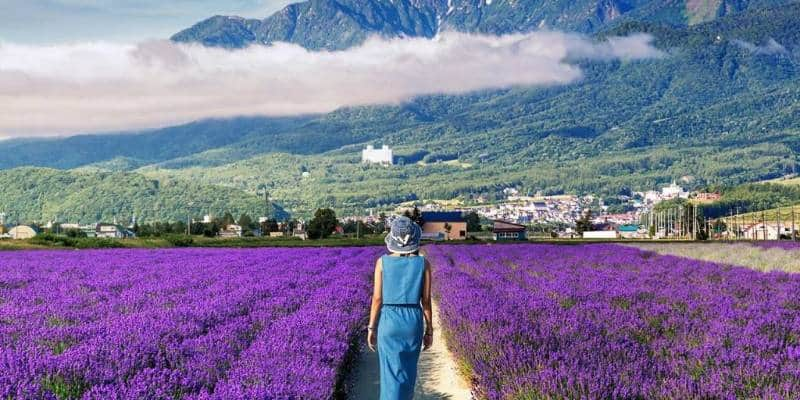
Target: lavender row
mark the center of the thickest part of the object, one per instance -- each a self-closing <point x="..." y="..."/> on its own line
<point x="189" y="323"/>
<point x="611" y="322"/>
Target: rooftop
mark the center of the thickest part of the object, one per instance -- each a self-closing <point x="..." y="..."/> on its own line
<point x="442" y="216"/>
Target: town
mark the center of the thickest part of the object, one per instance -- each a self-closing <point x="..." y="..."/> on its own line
<point x="513" y="216"/>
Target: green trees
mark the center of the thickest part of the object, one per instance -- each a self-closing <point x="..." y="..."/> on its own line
<point x="584" y="223"/>
<point x="473" y="221"/>
<point x="415" y="215"/>
<point x="323" y="224"/>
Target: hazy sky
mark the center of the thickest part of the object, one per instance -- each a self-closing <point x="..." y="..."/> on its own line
<point x="60" y="21"/>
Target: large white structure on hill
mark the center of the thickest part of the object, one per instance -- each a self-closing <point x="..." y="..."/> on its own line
<point x="383" y="156"/>
<point x="673" y="191"/>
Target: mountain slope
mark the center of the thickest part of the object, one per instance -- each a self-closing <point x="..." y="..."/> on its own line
<point x="138" y="148"/>
<point x="722" y="107"/>
<point x="31" y="194"/>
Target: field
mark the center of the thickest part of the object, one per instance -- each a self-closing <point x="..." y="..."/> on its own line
<point x="762" y="256"/>
<point x="180" y="323"/>
<point x="524" y="321"/>
<point x="615" y="322"/>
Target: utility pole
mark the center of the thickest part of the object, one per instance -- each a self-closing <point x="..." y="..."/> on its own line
<point x="764" y="223"/>
<point x="779" y="223"/>
<point x="794" y="235"/>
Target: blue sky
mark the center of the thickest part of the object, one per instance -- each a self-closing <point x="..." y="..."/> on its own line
<point x="62" y="21"/>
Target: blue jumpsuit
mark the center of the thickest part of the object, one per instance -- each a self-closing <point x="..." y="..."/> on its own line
<point x="400" y="326"/>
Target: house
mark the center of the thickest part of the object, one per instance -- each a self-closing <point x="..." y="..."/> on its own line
<point x="504" y="230"/>
<point x="20" y="232"/>
<point x="231" y="231"/>
<point x="630" y="231"/>
<point x="767" y="231"/>
<point x="112" y="231"/>
<point x="383" y="156"/>
<point x="703" y="197"/>
<point x="444" y="225"/>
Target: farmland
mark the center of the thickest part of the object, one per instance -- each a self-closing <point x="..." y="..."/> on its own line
<point x="607" y="321"/>
<point x="524" y="321"/>
<point x="180" y="323"/>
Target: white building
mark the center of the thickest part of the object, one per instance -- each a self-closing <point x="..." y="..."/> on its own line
<point x="111" y="231"/>
<point x="600" y="235"/>
<point x="231" y="231"/>
<point x="673" y="191"/>
<point x="383" y="156"/>
<point x="768" y="231"/>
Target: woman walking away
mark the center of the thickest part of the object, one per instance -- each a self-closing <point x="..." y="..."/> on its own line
<point x="402" y="283"/>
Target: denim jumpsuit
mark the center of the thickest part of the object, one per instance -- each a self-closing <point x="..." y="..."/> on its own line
<point x="400" y="326"/>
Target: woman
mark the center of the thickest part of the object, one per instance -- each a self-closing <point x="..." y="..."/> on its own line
<point x="402" y="282"/>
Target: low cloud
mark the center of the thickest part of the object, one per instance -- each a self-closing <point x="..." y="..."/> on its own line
<point x="771" y="47"/>
<point x="92" y="87"/>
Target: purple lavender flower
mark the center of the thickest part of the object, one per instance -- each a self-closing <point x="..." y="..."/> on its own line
<point x="612" y="322"/>
<point x="190" y="323"/>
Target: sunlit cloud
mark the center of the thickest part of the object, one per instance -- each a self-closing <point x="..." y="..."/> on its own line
<point x="92" y="87"/>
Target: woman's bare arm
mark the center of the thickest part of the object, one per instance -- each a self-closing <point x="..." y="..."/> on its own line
<point x="427" y="307"/>
<point x="375" y="308"/>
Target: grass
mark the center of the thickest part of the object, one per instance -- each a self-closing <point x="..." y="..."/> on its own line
<point x="63" y="242"/>
<point x="771" y="216"/>
<point x="741" y="254"/>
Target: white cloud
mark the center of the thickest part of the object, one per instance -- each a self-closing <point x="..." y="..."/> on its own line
<point x="771" y="47"/>
<point x="63" y="89"/>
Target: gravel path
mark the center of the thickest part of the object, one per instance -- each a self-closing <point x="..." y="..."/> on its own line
<point x="437" y="377"/>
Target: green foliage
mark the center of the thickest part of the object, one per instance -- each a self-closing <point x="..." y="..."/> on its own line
<point x="323" y="224"/>
<point x="29" y="194"/>
<point x="752" y="197"/>
<point x="180" y="240"/>
<point x="414" y="215"/>
<point x="473" y="221"/>
<point x="49" y="239"/>
<point x="584" y="223"/>
<point x="62" y="388"/>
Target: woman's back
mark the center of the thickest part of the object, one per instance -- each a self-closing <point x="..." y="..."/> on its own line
<point x="402" y="279"/>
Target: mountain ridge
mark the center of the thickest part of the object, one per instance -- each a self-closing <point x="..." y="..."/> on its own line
<point x="339" y="24"/>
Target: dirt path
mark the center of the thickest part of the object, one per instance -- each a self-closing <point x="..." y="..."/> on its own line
<point x="437" y="378"/>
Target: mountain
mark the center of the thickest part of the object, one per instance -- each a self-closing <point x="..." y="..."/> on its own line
<point x="721" y="108"/>
<point x="339" y="24"/>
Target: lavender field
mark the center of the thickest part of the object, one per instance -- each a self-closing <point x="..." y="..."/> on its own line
<point x="613" y="322"/>
<point x="182" y="323"/>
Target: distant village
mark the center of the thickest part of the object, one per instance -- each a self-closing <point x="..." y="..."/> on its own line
<point x="513" y="217"/>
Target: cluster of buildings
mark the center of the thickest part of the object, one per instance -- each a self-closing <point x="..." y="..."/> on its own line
<point x="528" y="210"/>
<point x="561" y="212"/>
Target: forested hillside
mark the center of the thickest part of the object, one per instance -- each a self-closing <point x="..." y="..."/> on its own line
<point x="722" y="107"/>
<point x="39" y="194"/>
